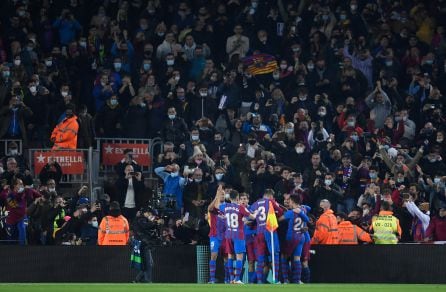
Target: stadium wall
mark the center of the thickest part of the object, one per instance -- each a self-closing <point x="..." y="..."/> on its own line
<point x="329" y="264"/>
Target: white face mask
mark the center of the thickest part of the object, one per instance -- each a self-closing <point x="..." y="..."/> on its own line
<point x="14" y="151"/>
<point x="113" y="102"/>
<point x="174" y="174"/>
<point x="51" y="189"/>
<point x="17" y="62"/>
<point x="283" y="66"/>
<point x="203" y="94"/>
<point x="227" y="196"/>
<point x="172" y="117"/>
<point x="328" y="182"/>
<point x="195" y="137"/>
<point x="49" y="63"/>
<point x="94" y="224"/>
<point x="170" y="62"/>
<point x="33" y="89"/>
<point x="218" y="176"/>
<point x="299" y="150"/>
<point x="21" y="190"/>
<point x="64" y="93"/>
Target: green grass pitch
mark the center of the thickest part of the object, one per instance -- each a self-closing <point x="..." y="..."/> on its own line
<point x="98" y="287"/>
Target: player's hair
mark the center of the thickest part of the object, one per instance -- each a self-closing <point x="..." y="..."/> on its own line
<point x="233" y="194"/>
<point x="269" y="192"/>
<point x="295" y="199"/>
<point x="244" y="195"/>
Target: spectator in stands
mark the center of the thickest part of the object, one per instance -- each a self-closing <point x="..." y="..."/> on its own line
<point x="64" y="135"/>
<point x="130" y="192"/>
<point x="127" y="160"/>
<point x="436" y="230"/>
<point x="173" y="184"/>
<point x="13" y="152"/>
<point x="13" y="117"/>
<point x="51" y="171"/>
<point x="174" y="128"/>
<point x="108" y="121"/>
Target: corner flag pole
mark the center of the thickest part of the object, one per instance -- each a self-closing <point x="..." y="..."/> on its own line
<point x="272" y="258"/>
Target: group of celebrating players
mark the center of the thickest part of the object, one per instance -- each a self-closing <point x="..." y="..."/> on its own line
<point x="238" y="230"/>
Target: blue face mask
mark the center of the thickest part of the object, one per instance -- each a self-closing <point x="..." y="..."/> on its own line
<point x="373" y="175"/>
<point x="174" y="174"/>
<point x="147" y="67"/>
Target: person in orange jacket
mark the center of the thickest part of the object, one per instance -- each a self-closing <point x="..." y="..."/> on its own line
<point x="114" y="228"/>
<point x="326" y="226"/>
<point x="350" y="234"/>
<point x="64" y="135"/>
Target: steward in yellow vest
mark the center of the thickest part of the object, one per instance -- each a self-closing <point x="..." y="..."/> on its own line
<point x="385" y="227"/>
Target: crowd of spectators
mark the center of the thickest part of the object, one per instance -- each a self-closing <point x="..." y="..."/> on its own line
<point x="353" y="112"/>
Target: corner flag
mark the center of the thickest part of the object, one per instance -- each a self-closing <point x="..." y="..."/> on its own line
<point x="271" y="220"/>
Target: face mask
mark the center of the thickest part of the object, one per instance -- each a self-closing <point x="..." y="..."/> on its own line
<point x="64" y="93"/>
<point x="6" y="74"/>
<point x="94" y="224"/>
<point x="195" y="137"/>
<point x="198" y="180"/>
<point x="13" y="151"/>
<point x="373" y="175"/>
<point x="170" y="62"/>
<point x="327" y="182"/>
<point x="218" y="176"/>
<point x="172" y="117"/>
<point x="299" y="150"/>
<point x="117" y="66"/>
<point x="21" y="190"/>
<point x="83" y="44"/>
<point x="289" y="131"/>
<point x="439" y="140"/>
<point x="203" y="94"/>
<point x="283" y="66"/>
<point x="343" y="17"/>
<point x="322" y="114"/>
<point x="142" y="104"/>
<point x="303" y="98"/>
<point x="29" y="49"/>
<point x="432" y="160"/>
<point x="437" y="180"/>
<point x="400" y="180"/>
<point x="198" y="161"/>
<point x="33" y="89"/>
<point x="161" y="34"/>
<point x="17" y="62"/>
<point x="144" y="26"/>
<point x="51" y="190"/>
<point x="429" y="62"/>
<point x="276" y="76"/>
<point x="353" y="7"/>
<point x="296" y="50"/>
<point x="351" y="124"/>
<point x="310" y="67"/>
<point x="254" y="4"/>
<point x="389" y="63"/>
<point x="113" y="101"/>
<point x="146" y="67"/>
<point x="177" y="78"/>
<point x="355" y="138"/>
<point x="174" y="174"/>
<point x="227" y="196"/>
<point x="103" y="83"/>
<point x="325" y="17"/>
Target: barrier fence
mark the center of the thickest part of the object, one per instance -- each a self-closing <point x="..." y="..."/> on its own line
<point x="405" y="263"/>
<point x="112" y="152"/>
<point x="77" y="165"/>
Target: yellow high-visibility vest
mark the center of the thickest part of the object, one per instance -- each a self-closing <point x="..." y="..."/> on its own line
<point x="385" y="229"/>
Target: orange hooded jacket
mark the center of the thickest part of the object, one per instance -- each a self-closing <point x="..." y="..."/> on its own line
<point x="326" y="229"/>
<point x="350" y="234"/>
<point x="64" y="134"/>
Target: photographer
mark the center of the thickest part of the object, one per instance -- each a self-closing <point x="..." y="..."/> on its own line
<point x="127" y="160"/>
<point x="130" y="192"/>
<point x="146" y="230"/>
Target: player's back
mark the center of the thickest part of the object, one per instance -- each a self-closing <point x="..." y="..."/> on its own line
<point x="262" y="207"/>
<point x="234" y="214"/>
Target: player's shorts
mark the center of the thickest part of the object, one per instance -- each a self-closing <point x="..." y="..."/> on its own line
<point x="306" y="252"/>
<point x="250" y="251"/>
<point x="263" y="243"/>
<point x="215" y="244"/>
<point x="289" y="247"/>
<point x="236" y="246"/>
